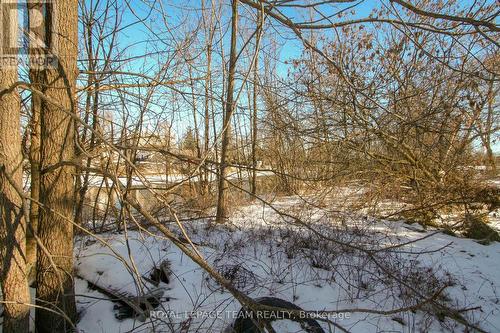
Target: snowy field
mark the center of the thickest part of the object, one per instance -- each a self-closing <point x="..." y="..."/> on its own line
<point x="421" y="272"/>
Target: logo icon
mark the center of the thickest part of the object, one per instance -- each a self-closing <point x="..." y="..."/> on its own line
<point x="27" y="31"/>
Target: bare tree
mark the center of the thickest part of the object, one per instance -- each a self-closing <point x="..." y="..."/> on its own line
<point x="222" y="208"/>
<point x="13" y="270"/>
<point x="37" y="33"/>
<point x="255" y="94"/>
<point x="208" y="24"/>
<point x="55" y="286"/>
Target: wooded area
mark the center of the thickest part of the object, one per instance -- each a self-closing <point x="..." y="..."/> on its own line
<point x="184" y="120"/>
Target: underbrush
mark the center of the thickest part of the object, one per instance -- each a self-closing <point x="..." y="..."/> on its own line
<point x="460" y="210"/>
<point x="319" y="259"/>
<point x="333" y="254"/>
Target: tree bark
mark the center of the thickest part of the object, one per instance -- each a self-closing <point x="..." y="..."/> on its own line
<point x="13" y="273"/>
<point x="222" y="209"/>
<point x="491" y="96"/>
<point x="55" y="285"/>
<point x="37" y="80"/>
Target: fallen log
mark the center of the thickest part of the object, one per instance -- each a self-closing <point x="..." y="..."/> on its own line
<point x="127" y="305"/>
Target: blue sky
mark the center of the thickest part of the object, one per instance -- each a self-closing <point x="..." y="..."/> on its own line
<point x="135" y="35"/>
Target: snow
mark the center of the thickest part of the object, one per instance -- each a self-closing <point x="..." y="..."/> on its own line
<point x="494" y="219"/>
<point x="158" y="179"/>
<point x="291" y="263"/>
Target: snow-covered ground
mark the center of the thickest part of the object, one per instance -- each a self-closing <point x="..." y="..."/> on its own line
<point x="161" y="179"/>
<point x="315" y="266"/>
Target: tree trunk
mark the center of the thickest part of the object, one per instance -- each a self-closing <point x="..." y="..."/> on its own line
<point x="208" y="91"/>
<point x="37" y="80"/>
<point x="82" y="187"/>
<point x="13" y="273"/>
<point x="253" y="186"/>
<point x="206" y="187"/>
<point x="55" y="286"/>
<point x="222" y="209"/>
<point x="489" y="124"/>
<point x="196" y="130"/>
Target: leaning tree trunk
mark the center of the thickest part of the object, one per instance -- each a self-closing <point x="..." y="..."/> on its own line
<point x="222" y="209"/>
<point x="55" y="286"/>
<point x="13" y="274"/>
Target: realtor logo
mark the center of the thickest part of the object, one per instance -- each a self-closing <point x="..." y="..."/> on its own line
<point x="27" y="33"/>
